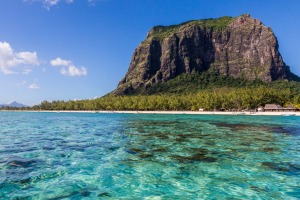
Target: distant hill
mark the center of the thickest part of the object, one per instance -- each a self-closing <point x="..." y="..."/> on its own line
<point x="235" y="47"/>
<point x="13" y="104"/>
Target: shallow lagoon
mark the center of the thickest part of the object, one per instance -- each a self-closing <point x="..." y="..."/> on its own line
<point x="135" y="156"/>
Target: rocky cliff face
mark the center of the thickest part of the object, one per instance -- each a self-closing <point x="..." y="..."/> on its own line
<point x="237" y="47"/>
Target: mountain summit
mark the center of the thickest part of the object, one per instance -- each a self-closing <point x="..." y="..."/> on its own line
<point x="13" y="104"/>
<point x="240" y="47"/>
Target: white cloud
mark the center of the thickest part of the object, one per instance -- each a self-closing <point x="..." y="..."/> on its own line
<point x="73" y="71"/>
<point x="46" y="3"/>
<point x="9" y="59"/>
<point x="33" y="86"/>
<point x="51" y="2"/>
<point x="67" y="67"/>
<point x="60" y="62"/>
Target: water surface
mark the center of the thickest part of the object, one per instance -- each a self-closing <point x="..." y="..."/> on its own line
<point x="135" y="156"/>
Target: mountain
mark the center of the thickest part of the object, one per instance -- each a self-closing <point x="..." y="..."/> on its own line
<point x="13" y="104"/>
<point x="239" y="48"/>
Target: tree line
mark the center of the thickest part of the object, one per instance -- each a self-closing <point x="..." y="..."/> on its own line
<point x="216" y="99"/>
<point x="190" y="92"/>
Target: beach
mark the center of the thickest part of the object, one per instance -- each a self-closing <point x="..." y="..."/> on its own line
<point x="167" y="112"/>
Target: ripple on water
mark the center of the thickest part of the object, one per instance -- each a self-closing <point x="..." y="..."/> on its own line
<point x="111" y="156"/>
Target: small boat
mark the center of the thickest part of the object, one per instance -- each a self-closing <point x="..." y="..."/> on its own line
<point x="241" y="113"/>
<point x="288" y="114"/>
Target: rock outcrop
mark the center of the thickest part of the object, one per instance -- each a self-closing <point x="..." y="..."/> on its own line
<point x="240" y="47"/>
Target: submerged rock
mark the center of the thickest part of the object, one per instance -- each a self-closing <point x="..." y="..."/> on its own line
<point x="194" y="158"/>
<point x="282" y="167"/>
<point x="20" y="162"/>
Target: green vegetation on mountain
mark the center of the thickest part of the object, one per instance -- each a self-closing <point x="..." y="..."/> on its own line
<point x="195" y="82"/>
<point x="161" y="32"/>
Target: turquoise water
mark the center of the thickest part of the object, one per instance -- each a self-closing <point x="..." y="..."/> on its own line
<point x="134" y="156"/>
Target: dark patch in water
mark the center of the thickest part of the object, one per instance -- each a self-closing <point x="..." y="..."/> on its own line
<point x="194" y="158"/>
<point x="210" y="143"/>
<point x="22" y="198"/>
<point x="202" y="158"/>
<point x="282" y="167"/>
<point x="134" y="151"/>
<point x="161" y="123"/>
<point x="48" y="148"/>
<point x="139" y="152"/>
<point x="20" y="162"/>
<point x="258" y="189"/>
<point x="180" y="139"/>
<point x="203" y="151"/>
<point x="160" y="149"/>
<point x="76" y="147"/>
<point x="199" y="151"/>
<point x="192" y="136"/>
<point x="245" y="144"/>
<point x="104" y="194"/>
<point x="63" y="155"/>
<point x="235" y="127"/>
<point x="83" y="193"/>
<point x="270" y="149"/>
<point x="274" y="166"/>
<point x="23" y="181"/>
<point x="294" y="131"/>
<point x="113" y="148"/>
<point x="144" y="155"/>
<point x="52" y="139"/>
<point x="159" y="135"/>
<point x="264" y="139"/>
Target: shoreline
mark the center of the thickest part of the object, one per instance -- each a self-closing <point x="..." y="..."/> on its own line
<point x="164" y="112"/>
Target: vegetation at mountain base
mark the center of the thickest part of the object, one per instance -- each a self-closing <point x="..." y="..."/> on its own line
<point x="215" y="99"/>
<point x="191" y="92"/>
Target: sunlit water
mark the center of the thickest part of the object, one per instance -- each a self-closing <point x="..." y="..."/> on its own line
<point x="135" y="156"/>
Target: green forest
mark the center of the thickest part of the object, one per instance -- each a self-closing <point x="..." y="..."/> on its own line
<point x="191" y="92"/>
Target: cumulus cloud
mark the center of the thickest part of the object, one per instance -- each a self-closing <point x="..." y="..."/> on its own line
<point x="60" y="62"/>
<point x="67" y="67"/>
<point x="73" y="71"/>
<point x="33" y="86"/>
<point x="9" y="59"/>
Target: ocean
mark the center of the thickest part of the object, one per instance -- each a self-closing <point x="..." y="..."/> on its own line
<point x="148" y="156"/>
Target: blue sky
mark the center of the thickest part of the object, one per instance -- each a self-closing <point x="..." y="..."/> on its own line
<point x="79" y="49"/>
